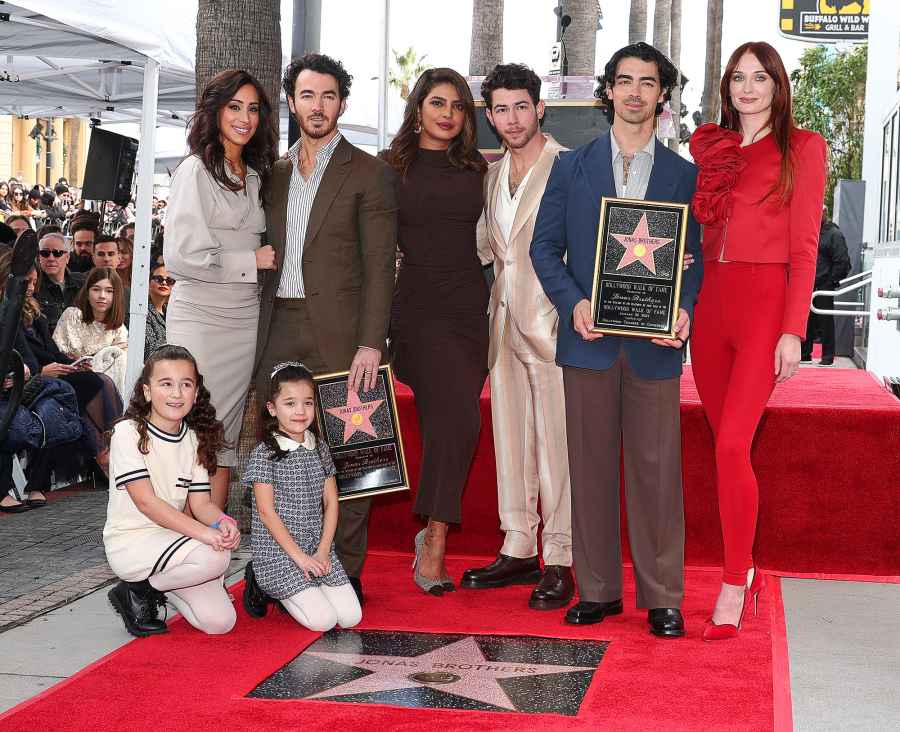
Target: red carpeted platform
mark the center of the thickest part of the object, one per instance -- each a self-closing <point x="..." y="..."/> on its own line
<point x="188" y="681"/>
<point x="827" y="455"/>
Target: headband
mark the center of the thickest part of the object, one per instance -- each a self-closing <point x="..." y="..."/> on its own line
<point x="286" y="364"/>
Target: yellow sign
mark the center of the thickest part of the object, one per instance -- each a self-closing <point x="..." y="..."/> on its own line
<point x="824" y="20"/>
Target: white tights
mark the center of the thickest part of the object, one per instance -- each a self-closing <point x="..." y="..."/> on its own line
<point x="196" y="589"/>
<point x="321" y="608"/>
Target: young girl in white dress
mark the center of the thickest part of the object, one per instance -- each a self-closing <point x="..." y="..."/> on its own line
<point x="295" y="512"/>
<point x="161" y="455"/>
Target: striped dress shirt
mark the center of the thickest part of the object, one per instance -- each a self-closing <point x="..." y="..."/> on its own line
<point x="301" y="195"/>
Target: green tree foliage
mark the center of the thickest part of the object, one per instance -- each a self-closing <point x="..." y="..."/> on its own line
<point x="408" y="67"/>
<point x="829" y="97"/>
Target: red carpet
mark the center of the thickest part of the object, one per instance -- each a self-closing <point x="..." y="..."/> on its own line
<point x="185" y="680"/>
<point x="826" y="457"/>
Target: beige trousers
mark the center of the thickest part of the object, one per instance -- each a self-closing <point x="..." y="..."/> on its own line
<point x="528" y="410"/>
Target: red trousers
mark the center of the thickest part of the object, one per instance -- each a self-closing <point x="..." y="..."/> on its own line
<point x="737" y="324"/>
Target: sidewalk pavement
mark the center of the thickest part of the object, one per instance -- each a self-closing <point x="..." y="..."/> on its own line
<point x="53" y="555"/>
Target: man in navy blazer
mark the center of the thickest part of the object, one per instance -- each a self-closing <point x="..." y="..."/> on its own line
<point x="620" y="391"/>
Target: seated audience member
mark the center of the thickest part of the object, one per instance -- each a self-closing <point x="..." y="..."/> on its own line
<point x="106" y="252"/>
<point x="40" y="462"/>
<point x="38" y="211"/>
<point x="83" y="230"/>
<point x="160" y="289"/>
<point x="95" y="326"/>
<point x="99" y="403"/>
<point x="6" y="206"/>
<point x="18" y="223"/>
<point x="57" y="286"/>
<point x="126" y="249"/>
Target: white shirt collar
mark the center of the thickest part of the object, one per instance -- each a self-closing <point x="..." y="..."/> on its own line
<point x="286" y="443"/>
<point x="323" y="152"/>
<point x="649" y="148"/>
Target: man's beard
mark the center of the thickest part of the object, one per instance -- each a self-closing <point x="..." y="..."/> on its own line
<point x="524" y="140"/>
<point x="316" y="133"/>
<point x="80" y="262"/>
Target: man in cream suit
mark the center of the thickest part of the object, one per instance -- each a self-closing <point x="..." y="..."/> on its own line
<point x="527" y="399"/>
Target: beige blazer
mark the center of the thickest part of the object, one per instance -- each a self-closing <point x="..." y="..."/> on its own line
<point x="517" y="293"/>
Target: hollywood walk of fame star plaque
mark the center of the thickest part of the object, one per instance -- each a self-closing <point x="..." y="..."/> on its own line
<point x="637" y="273"/>
<point x="440" y="671"/>
<point x="363" y="434"/>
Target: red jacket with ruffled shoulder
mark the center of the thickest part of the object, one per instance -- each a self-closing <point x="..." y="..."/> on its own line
<point x="744" y="224"/>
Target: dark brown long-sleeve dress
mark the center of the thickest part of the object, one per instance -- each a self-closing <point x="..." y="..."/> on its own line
<point x="439" y="324"/>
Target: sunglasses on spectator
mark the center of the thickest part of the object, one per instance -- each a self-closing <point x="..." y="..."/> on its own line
<point x="55" y="252"/>
<point x="160" y="280"/>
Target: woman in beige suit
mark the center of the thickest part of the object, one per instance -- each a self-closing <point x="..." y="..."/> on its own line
<point x="213" y="246"/>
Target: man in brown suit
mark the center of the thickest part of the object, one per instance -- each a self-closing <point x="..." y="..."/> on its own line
<point x="527" y="398"/>
<point x="331" y="217"/>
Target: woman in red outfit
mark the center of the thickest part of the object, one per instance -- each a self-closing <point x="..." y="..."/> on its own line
<point x="759" y="195"/>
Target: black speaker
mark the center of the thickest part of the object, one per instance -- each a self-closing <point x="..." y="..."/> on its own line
<point x="110" y="167"/>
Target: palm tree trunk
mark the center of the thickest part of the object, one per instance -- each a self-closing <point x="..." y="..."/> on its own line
<point x="710" y="104"/>
<point x="238" y="34"/>
<point x="487" y="37"/>
<point x="637" y="21"/>
<point x="581" y="36"/>
<point x="675" y="56"/>
<point x="662" y="17"/>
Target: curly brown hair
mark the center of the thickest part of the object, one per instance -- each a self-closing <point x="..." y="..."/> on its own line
<point x="202" y="417"/>
<point x="463" y="150"/>
<point x="205" y="140"/>
<point x="267" y="424"/>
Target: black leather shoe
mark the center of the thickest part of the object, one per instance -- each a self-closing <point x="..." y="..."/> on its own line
<point x="502" y="572"/>
<point x="826" y="361"/>
<point x="138" y="604"/>
<point x="666" y="622"/>
<point x="357" y="587"/>
<point x="588" y="613"/>
<point x="555" y="590"/>
<point x="256" y="602"/>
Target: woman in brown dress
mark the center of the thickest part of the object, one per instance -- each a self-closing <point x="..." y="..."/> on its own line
<point x="439" y="326"/>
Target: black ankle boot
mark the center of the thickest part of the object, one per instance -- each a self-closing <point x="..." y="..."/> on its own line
<point x="138" y="603"/>
<point x="256" y="602"/>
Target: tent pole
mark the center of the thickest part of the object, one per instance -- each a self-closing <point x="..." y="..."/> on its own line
<point x="140" y="263"/>
<point x="383" y="75"/>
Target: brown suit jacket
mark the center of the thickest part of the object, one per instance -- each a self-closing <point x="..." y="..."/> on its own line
<point x="348" y="254"/>
<point x="516" y="292"/>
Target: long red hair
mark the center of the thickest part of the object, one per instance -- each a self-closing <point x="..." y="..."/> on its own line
<point x="781" y="118"/>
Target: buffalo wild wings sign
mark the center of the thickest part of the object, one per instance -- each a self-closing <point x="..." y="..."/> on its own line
<point x="825" y="20"/>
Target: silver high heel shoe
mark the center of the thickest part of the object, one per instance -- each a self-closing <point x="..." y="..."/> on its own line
<point x="431" y="586"/>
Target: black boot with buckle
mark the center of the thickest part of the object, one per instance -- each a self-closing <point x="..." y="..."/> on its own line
<point x="138" y="603"/>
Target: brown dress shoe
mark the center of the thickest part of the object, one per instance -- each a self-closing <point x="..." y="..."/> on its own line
<point x="502" y="572"/>
<point x="556" y="589"/>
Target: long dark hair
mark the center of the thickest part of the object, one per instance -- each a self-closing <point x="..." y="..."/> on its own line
<point x="31" y="308"/>
<point x="267" y="424"/>
<point x="116" y="316"/>
<point x="205" y="141"/>
<point x="781" y="118"/>
<point x="463" y="150"/>
<point x="202" y="417"/>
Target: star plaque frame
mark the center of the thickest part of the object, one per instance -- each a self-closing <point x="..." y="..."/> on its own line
<point x="363" y="434"/>
<point x="638" y="267"/>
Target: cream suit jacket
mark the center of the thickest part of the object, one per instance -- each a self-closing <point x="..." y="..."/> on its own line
<point x="517" y="293"/>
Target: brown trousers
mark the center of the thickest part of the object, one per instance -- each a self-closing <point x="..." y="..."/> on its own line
<point x="606" y="410"/>
<point x="291" y="339"/>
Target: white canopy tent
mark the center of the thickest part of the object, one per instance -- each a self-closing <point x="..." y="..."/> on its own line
<point x="121" y="61"/>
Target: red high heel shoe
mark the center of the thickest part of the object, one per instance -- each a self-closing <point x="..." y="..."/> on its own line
<point x="714" y="632"/>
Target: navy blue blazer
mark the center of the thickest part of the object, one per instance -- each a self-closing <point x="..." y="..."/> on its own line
<point x="564" y="246"/>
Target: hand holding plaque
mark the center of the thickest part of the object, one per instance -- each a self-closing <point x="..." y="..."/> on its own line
<point x="638" y="268"/>
<point x="363" y="434"/>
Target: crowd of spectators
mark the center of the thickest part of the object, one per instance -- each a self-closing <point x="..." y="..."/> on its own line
<point x="74" y="326"/>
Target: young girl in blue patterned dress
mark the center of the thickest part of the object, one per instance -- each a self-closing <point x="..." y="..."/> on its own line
<point x="295" y="512"/>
